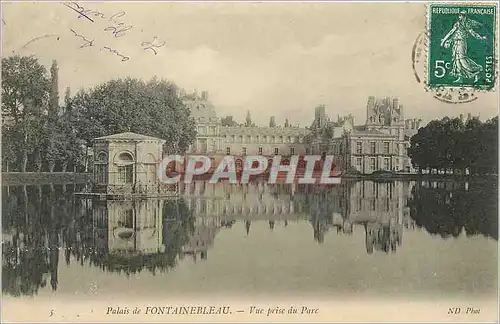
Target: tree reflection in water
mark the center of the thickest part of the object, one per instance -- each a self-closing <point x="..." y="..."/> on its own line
<point x="39" y="221"/>
<point x="31" y="220"/>
<point x="449" y="208"/>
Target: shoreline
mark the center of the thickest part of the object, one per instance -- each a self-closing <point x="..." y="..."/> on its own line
<point x="34" y="178"/>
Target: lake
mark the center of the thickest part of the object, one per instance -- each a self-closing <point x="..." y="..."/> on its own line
<point x="358" y="238"/>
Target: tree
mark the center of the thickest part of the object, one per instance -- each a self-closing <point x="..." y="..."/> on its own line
<point x="449" y="144"/>
<point x="67" y="100"/>
<point x="54" y="89"/>
<point x="228" y="121"/>
<point x="272" y="121"/>
<point x="149" y="108"/>
<point x="25" y="92"/>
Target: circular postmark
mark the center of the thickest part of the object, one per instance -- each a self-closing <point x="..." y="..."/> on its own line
<point x="451" y="95"/>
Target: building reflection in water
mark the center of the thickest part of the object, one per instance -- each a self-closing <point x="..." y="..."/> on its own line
<point x="153" y="232"/>
<point x="380" y="207"/>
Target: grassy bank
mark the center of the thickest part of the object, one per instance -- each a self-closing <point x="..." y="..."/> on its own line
<point x="24" y="178"/>
<point x="416" y="176"/>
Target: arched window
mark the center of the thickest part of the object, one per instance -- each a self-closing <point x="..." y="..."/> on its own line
<point x="125" y="167"/>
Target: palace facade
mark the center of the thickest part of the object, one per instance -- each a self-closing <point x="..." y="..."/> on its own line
<point x="215" y="139"/>
<point x="380" y="143"/>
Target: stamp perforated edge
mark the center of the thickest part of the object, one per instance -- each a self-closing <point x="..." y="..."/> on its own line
<point x="426" y="40"/>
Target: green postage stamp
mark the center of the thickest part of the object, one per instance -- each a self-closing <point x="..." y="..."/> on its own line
<point x="461" y="49"/>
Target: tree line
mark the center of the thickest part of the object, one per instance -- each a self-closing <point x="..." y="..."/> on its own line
<point x="450" y="144"/>
<point x="41" y="133"/>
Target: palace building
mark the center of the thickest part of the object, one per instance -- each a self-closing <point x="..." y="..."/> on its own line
<point x="215" y="139"/>
<point x="380" y="143"/>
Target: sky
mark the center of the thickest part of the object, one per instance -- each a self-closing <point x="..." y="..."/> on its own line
<point x="272" y="59"/>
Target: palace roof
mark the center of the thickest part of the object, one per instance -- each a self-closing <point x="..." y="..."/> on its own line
<point x="129" y="136"/>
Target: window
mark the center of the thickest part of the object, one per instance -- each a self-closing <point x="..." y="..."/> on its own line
<point x="241" y="139"/>
<point x="244" y="151"/>
<point x="358" y="162"/>
<point x="101" y="173"/>
<point x="359" y="147"/>
<point x="260" y="150"/>
<point x="292" y="150"/>
<point x="289" y="139"/>
<point x="386" y="164"/>
<point x="397" y="149"/>
<point x="386" y="147"/>
<point x="101" y="168"/>
<point x="201" y="130"/>
<point x="125" y="173"/>
<point x="276" y="151"/>
<point x="213" y="130"/>
<point x="257" y="139"/>
<point x="228" y="150"/>
<point x="233" y="138"/>
<point x="249" y="139"/>
<point x="372" y="147"/>
<point x="125" y="169"/>
<point x="372" y="163"/>
<point x="281" y="139"/>
<point x="273" y="139"/>
<point x="264" y="139"/>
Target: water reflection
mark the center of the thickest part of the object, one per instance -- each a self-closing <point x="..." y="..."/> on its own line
<point x="44" y="223"/>
<point x="380" y="207"/>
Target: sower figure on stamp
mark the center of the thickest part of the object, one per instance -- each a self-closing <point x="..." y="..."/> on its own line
<point x="463" y="66"/>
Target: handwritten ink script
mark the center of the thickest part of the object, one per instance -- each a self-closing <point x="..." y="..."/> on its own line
<point x="153" y="46"/>
<point x="90" y="42"/>
<point x="116" y="27"/>
<point x="86" y="42"/>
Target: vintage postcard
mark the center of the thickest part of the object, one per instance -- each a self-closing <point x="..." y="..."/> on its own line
<point x="249" y="161"/>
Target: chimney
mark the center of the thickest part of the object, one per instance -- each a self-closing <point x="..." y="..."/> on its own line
<point x="370" y="105"/>
<point x="395" y="103"/>
<point x="371" y="101"/>
<point x="388" y="103"/>
<point x="204" y="95"/>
